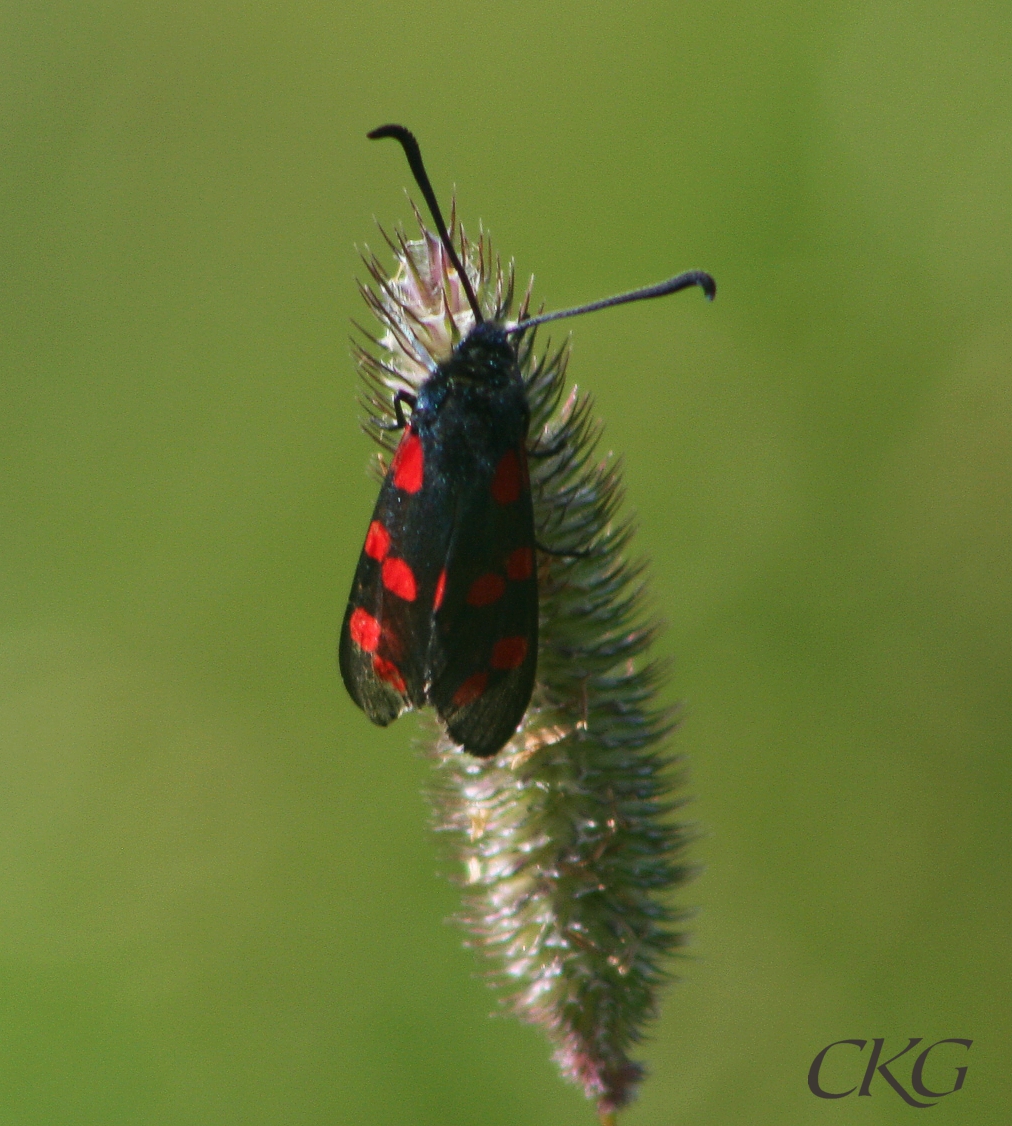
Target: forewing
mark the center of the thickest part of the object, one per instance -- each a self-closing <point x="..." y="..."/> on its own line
<point x="483" y="649"/>
<point x="387" y="625"/>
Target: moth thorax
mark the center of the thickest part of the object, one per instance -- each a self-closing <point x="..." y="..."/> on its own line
<point x="485" y="355"/>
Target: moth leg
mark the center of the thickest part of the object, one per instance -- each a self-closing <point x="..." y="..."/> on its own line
<point x="554" y="551"/>
<point x="562" y="554"/>
<point x="401" y="421"/>
<point x="548" y="451"/>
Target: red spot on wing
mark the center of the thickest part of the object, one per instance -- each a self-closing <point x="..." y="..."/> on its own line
<point x="486" y="589"/>
<point x="391" y="642"/>
<point x="388" y="671"/>
<point x="470" y="690"/>
<point x="440" y="590"/>
<point x="520" y="564"/>
<point x="377" y="541"/>
<point x="399" y="579"/>
<point x="364" y="630"/>
<point x="508" y="479"/>
<point x="409" y="463"/>
<point x="509" y="652"/>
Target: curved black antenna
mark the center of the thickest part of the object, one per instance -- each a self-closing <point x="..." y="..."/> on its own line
<point x="414" y="155"/>
<point x="661" y="289"/>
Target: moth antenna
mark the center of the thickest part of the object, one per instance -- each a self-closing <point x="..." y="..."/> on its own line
<point x="661" y="289"/>
<point x="414" y="155"/>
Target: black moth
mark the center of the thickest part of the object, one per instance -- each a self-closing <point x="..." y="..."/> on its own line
<point x="444" y="605"/>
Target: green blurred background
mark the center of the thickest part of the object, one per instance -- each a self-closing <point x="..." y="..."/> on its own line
<point x="220" y="901"/>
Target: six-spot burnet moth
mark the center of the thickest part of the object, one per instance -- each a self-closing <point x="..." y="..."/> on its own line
<point x="444" y="604"/>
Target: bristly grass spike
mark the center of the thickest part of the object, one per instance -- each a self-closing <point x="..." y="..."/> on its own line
<point x="444" y="603"/>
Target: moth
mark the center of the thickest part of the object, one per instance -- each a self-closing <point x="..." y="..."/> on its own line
<point x="443" y="608"/>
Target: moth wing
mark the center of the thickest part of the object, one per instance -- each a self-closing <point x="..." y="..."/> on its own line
<point x="387" y="625"/>
<point x="380" y="686"/>
<point x="484" y="644"/>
